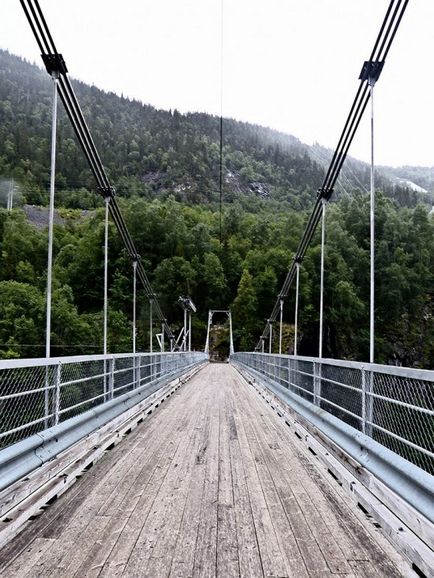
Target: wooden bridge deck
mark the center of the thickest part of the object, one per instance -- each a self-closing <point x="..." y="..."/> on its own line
<point x="212" y="484"/>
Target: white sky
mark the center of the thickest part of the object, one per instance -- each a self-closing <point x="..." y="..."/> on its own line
<point x="292" y="65"/>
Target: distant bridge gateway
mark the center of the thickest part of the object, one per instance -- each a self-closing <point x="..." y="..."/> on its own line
<point x="161" y="464"/>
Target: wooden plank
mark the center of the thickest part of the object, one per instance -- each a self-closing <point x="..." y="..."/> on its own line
<point x="250" y="563"/>
<point x="140" y="474"/>
<point x="138" y="537"/>
<point x="80" y="520"/>
<point x="293" y="476"/>
<point x="358" y="538"/>
<point x="40" y="491"/>
<point x="28" y="558"/>
<point x="144" y="474"/>
<point x="184" y="551"/>
<point x="227" y="542"/>
<point x="308" y="495"/>
<point x="271" y="481"/>
<point x="215" y="485"/>
<point x="21" y="489"/>
<point x="269" y="547"/>
<point x="160" y="561"/>
<point x="249" y="555"/>
<point x="206" y="543"/>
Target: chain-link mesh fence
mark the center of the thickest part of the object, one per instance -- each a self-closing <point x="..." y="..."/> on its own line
<point x="36" y="394"/>
<point x="393" y="405"/>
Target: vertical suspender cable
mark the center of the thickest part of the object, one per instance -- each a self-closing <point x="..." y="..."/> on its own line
<point x="280" y="327"/>
<point x="270" y="343"/>
<point x="135" y="304"/>
<point x="321" y="304"/>
<point x="51" y="218"/>
<point x="50" y="246"/>
<point x="151" y="303"/>
<point x="297" y="287"/>
<point x="221" y="123"/>
<point x="189" y="331"/>
<point x="106" y="223"/>
<point x="371" y="70"/>
<point x="372" y="235"/>
<point x="54" y="62"/>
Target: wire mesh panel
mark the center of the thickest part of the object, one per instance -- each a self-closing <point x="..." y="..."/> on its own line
<point x="25" y="404"/>
<point x="303" y="378"/>
<point x="39" y="393"/>
<point x="82" y="386"/>
<point x="123" y="375"/>
<point x="403" y="421"/>
<point x="393" y="405"/>
<point x="341" y="393"/>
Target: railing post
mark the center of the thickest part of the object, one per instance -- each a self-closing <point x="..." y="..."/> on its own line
<point x="369" y="403"/>
<point x="56" y="404"/>
<point x="111" y="378"/>
<point x="317" y="374"/>
<point x="289" y="372"/>
<point x="137" y="371"/>
<point x="46" y="396"/>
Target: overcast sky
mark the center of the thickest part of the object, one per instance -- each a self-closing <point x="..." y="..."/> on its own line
<point x="292" y="65"/>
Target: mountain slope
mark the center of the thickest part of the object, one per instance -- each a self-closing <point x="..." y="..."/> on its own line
<point x="150" y="152"/>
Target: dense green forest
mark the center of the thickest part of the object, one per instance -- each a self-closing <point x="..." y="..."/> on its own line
<point x="165" y="168"/>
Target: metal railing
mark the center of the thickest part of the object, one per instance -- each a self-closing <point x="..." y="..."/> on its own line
<point x="36" y="394"/>
<point x="392" y="405"/>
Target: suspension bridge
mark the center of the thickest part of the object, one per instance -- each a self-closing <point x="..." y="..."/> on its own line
<point x="163" y="464"/>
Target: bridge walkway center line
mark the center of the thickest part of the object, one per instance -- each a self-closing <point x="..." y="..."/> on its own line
<point x="212" y="484"/>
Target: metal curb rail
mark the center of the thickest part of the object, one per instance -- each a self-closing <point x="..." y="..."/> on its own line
<point x="30" y="492"/>
<point x="412" y="484"/>
<point x="38" y="394"/>
<point x="392" y="405"/>
<point x="22" y="457"/>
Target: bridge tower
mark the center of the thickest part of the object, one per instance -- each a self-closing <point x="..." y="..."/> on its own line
<point x="210" y="317"/>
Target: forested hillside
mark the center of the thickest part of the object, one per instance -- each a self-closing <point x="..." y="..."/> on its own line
<point x="156" y="153"/>
<point x="165" y="167"/>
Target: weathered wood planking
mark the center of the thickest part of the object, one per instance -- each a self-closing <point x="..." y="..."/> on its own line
<point x="214" y="484"/>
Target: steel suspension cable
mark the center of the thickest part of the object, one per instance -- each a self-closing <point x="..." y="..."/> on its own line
<point x="54" y="63"/>
<point x="371" y="68"/>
